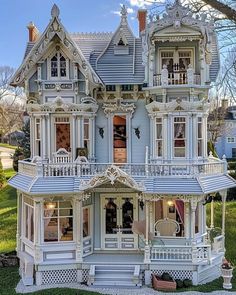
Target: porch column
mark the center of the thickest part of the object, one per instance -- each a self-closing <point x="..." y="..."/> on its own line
<point x="223" y="196"/>
<point x="193" y="218"/>
<point x="186" y="220"/>
<point x="19" y="221"/>
<point x="147" y="246"/>
<point x="49" y="135"/>
<point x="78" y="229"/>
<point x="38" y="231"/>
<point x="212" y="213"/>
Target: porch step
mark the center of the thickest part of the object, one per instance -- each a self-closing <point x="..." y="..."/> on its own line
<point x="115" y="275"/>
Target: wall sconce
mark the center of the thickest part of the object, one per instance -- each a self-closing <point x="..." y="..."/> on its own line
<point x="51" y="206"/>
<point x="137" y="132"/>
<point x="141" y="204"/>
<point x="101" y="131"/>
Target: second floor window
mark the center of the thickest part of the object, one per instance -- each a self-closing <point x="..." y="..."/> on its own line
<point x="231" y="139"/>
<point x="86" y="134"/>
<point x="58" y="65"/>
<point x="158" y="137"/>
<point x="199" y="138"/>
<point x="37" y="136"/>
<point x="179" y="137"/>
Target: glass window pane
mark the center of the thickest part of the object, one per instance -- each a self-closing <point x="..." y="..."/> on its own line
<point x="65" y="212"/>
<point x="86" y="223"/>
<point x="66" y="229"/>
<point x="51" y="230"/>
<point x="65" y="204"/>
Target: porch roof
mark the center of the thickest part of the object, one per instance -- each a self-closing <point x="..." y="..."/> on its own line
<point x="158" y="185"/>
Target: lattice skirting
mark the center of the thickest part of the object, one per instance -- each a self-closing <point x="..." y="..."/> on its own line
<point x="59" y="276"/>
<point x="85" y="275"/>
<point x="175" y="274"/>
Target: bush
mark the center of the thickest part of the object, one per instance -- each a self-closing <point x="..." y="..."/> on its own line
<point x="187" y="283"/>
<point x="18" y="155"/>
<point x="2" y="175"/>
<point x="166" y="277"/>
<point x="179" y="283"/>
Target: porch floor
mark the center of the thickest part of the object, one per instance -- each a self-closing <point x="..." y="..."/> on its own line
<point x="113" y="258"/>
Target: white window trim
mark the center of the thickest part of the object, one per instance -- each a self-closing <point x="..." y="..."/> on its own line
<point x="168" y="49"/>
<point x="185" y="139"/>
<point x="25" y="204"/>
<point x="229" y="139"/>
<point x="58" y="217"/>
<point x="158" y="140"/>
<point x="49" y="77"/>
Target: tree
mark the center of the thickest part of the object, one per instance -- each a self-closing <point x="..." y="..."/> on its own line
<point x="12" y="101"/>
<point x="2" y="175"/>
<point x="225" y="9"/>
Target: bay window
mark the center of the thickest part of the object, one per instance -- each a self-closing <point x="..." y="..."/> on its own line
<point x="58" y="221"/>
<point x="29" y="219"/>
<point x="179" y="137"/>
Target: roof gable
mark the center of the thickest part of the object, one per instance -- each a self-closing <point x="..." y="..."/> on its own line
<point x="55" y="29"/>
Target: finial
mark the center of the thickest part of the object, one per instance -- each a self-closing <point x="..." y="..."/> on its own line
<point x="55" y="11"/>
<point x="123" y="13"/>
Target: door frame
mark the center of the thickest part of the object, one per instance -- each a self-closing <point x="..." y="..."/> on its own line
<point x="131" y="239"/>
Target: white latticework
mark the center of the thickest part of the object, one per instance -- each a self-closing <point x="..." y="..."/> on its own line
<point x="85" y="275"/>
<point x="59" y="276"/>
<point x="175" y="274"/>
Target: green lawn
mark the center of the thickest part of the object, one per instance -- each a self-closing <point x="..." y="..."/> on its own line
<point x="9" y="276"/>
<point x="9" y="173"/>
<point x="7" y="219"/>
<point x="6" y="145"/>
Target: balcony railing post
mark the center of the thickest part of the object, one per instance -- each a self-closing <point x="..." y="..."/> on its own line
<point x="190" y="74"/>
<point x="164" y="76"/>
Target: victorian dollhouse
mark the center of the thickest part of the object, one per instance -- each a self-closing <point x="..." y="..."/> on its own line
<point x="116" y="186"/>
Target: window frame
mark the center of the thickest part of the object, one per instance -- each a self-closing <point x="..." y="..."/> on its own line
<point x="229" y="139"/>
<point x="58" y="217"/>
<point x="28" y="204"/>
<point x="200" y="140"/>
<point x="185" y="138"/>
<point x="158" y="140"/>
<point x="49" y="68"/>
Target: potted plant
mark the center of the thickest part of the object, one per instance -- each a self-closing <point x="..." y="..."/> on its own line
<point x="227" y="274"/>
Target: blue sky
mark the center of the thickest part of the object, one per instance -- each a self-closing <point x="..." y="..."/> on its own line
<point x="76" y="15"/>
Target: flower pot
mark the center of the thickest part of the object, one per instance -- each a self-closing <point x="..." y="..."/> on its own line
<point x="227" y="275"/>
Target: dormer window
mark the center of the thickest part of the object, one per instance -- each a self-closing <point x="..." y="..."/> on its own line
<point x="59" y="66"/>
<point x="121" y="45"/>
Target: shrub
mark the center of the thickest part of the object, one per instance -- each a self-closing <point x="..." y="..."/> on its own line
<point x="166" y="277"/>
<point x="187" y="283"/>
<point x="18" y="155"/>
<point x="179" y="283"/>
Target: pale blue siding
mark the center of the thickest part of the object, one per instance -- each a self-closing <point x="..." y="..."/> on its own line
<point x="140" y="119"/>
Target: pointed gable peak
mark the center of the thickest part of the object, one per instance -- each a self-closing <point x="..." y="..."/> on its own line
<point x="123" y="13"/>
<point x="55" y="11"/>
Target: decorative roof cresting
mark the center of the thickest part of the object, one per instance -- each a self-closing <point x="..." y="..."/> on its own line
<point x="55" y="12"/>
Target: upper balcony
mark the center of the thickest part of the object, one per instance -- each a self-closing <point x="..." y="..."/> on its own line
<point x="85" y="169"/>
<point x="176" y="76"/>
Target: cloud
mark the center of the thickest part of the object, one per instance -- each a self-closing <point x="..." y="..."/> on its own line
<point x="140" y="3"/>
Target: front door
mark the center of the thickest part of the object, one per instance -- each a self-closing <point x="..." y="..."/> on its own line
<point x="118" y="213"/>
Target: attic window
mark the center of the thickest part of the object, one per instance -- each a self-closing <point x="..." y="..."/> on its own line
<point x="58" y="66"/>
<point x="121" y="42"/>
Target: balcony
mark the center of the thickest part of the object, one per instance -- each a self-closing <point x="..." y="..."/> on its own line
<point x="188" y="170"/>
<point x="176" y="77"/>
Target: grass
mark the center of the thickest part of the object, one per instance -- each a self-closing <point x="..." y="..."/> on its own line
<point x="9" y="276"/>
<point x="6" y="145"/>
<point x="9" y="173"/>
<point x="7" y="219"/>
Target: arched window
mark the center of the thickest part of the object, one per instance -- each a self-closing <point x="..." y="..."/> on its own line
<point x="59" y="66"/>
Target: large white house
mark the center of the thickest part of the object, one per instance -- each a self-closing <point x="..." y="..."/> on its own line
<point x="116" y="186"/>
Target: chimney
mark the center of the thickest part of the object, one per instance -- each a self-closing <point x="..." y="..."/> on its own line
<point x="142" y="15"/>
<point x="33" y="32"/>
<point x="224" y="103"/>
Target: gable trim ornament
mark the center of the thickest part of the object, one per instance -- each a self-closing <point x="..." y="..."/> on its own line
<point x="177" y="105"/>
<point x="54" y="28"/>
<point x="112" y="174"/>
<point x="87" y="105"/>
<point x="118" y="106"/>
